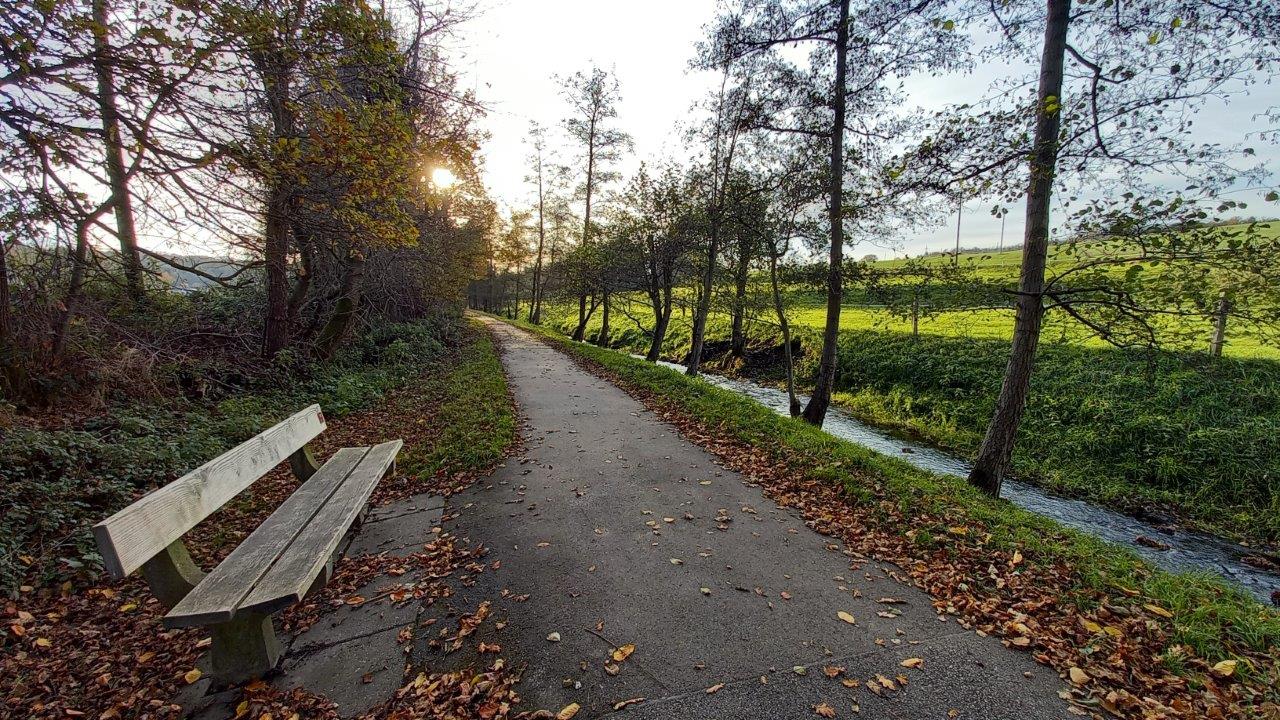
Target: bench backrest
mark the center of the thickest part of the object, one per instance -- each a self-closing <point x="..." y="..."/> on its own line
<point x="137" y="533"/>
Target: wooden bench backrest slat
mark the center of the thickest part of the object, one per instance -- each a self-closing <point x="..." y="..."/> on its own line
<point x="137" y="533"/>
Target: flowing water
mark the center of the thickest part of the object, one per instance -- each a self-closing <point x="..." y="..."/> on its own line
<point x="1186" y="550"/>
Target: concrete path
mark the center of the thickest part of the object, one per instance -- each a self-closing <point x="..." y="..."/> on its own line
<point x="619" y="531"/>
<point x="352" y="654"/>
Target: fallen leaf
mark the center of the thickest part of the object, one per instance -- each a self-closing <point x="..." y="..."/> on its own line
<point x="824" y="710"/>
<point x="554" y="637"/>
<point x="622" y="653"/>
<point x="568" y="711"/>
<point x="623" y="703"/>
<point x="846" y="617"/>
<point x="914" y="662"/>
<point x="714" y="688"/>
<point x="1090" y="625"/>
<point x="192" y="675"/>
<point x="1078" y="676"/>
<point x="1157" y="610"/>
<point x="1224" y="669"/>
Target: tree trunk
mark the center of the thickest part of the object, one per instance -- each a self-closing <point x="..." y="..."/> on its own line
<point x="6" y="321"/>
<point x="581" y="330"/>
<point x="79" y="262"/>
<point x="704" y="301"/>
<point x="662" y="320"/>
<point x="303" y="285"/>
<point x="603" y="338"/>
<point x="738" y="338"/>
<point x="535" y="308"/>
<point x="344" y="312"/>
<point x="997" y="446"/>
<point x="793" y="403"/>
<point x="117" y="177"/>
<point x="816" y="411"/>
<point x="275" y="332"/>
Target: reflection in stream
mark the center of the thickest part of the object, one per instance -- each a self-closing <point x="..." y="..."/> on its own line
<point x="1186" y="550"/>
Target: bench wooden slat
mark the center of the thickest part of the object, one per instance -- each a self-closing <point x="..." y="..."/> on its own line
<point x="135" y="534"/>
<point x="293" y="573"/>
<point x="216" y="598"/>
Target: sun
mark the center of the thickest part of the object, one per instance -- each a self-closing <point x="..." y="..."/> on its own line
<point x="443" y="178"/>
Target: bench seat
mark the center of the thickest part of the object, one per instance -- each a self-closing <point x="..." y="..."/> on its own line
<point x="288" y="555"/>
<point x="279" y="562"/>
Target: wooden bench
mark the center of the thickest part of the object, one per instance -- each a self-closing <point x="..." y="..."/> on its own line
<point x="289" y="555"/>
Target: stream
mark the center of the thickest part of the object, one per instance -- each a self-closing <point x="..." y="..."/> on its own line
<point x="1186" y="550"/>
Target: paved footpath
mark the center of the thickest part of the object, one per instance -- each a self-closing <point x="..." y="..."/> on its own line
<point x="609" y="525"/>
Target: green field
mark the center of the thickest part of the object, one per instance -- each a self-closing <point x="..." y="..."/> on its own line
<point x="1177" y="433"/>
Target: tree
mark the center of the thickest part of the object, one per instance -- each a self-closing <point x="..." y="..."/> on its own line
<point x="104" y="64"/>
<point x="846" y="89"/>
<point x="1121" y="108"/>
<point x="731" y="108"/>
<point x="537" y="140"/>
<point x="660" y="224"/>
<point x="593" y="97"/>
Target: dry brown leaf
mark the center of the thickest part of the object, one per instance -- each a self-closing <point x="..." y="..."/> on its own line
<point x="714" y="688"/>
<point x="568" y="711"/>
<point x="824" y="710"/>
<point x="623" y="652"/>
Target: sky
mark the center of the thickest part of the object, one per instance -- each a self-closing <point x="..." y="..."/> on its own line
<point x="512" y="52"/>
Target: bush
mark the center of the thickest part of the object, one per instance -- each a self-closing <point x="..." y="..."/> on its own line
<point x="55" y="483"/>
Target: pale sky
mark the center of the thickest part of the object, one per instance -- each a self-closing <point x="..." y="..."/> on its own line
<point x="513" y="50"/>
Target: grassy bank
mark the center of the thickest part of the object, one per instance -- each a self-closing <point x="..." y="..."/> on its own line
<point x="983" y="559"/>
<point x="59" y="476"/>
<point x="1189" y="436"/>
<point x="472" y="417"/>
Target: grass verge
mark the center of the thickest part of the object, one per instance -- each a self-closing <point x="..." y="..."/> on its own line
<point x="1145" y="638"/>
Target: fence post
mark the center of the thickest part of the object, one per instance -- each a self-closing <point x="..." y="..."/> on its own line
<point x="1219" y="325"/>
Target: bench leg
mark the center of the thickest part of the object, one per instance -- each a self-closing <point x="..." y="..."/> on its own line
<point x="244" y="649"/>
<point x="172" y="574"/>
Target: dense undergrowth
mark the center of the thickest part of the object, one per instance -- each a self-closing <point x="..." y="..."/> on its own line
<point x="59" y="475"/>
<point x="940" y="522"/>
<point x="419" y="387"/>
<point x="1158" y="434"/>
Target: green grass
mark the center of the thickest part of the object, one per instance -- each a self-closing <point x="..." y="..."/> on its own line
<point x="476" y="419"/>
<point x="1214" y="619"/>
<point x="1188" y="434"/>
